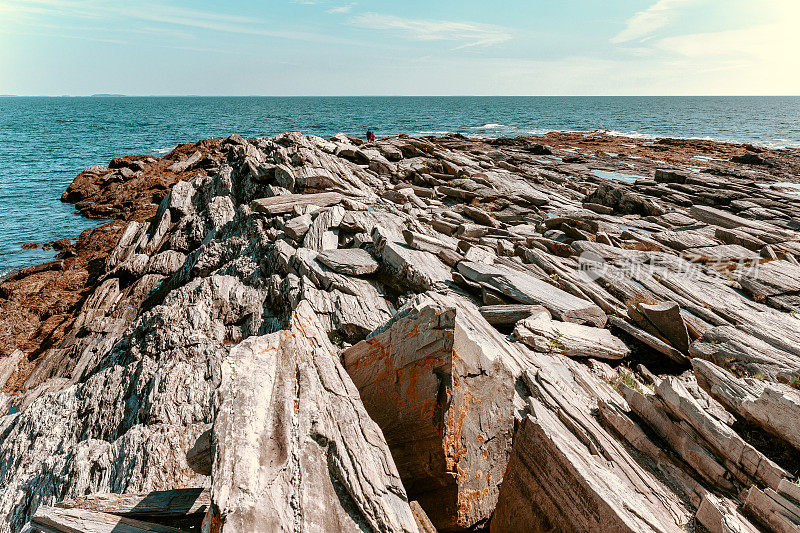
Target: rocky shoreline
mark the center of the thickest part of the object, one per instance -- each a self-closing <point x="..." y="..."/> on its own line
<point x="573" y="332"/>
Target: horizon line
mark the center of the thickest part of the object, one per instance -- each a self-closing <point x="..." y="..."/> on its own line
<point x="114" y="95"/>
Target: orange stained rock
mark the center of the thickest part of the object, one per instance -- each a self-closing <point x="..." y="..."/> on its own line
<point x="465" y="500"/>
<point x="412" y="374"/>
<point x="453" y="446"/>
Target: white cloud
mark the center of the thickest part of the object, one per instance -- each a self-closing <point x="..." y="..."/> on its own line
<point x="645" y="23"/>
<point x="154" y="12"/>
<point x="468" y="33"/>
<point x="343" y="9"/>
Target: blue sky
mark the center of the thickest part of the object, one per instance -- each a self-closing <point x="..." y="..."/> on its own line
<point x="410" y="47"/>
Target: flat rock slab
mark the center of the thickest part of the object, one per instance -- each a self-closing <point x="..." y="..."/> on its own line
<point x="351" y="261"/>
<point x="277" y="205"/>
<point x="722" y="253"/>
<point x="52" y="519"/>
<point x="773" y="406"/>
<point x="418" y="269"/>
<point x="546" y="335"/>
<point x="554" y="483"/>
<point x="683" y="240"/>
<point x="771" y="279"/>
<point x="527" y="289"/>
<point x="162" y="503"/>
<point x="508" y="315"/>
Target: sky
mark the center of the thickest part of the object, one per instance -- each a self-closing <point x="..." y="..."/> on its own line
<point x="406" y="47"/>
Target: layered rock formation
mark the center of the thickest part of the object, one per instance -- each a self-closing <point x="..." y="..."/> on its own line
<point x="417" y="335"/>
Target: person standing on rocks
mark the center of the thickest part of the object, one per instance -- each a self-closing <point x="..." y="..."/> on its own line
<point x="370" y="136"/>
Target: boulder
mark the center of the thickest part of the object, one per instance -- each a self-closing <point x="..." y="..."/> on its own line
<point x="437" y="381"/>
<point x="624" y="201"/>
<point x="290" y="427"/>
<point x="297" y="227"/>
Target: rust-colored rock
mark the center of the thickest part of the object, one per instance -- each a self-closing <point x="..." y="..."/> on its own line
<point x="431" y="381"/>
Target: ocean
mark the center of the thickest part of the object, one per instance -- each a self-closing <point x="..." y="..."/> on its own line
<point x="45" y="142"/>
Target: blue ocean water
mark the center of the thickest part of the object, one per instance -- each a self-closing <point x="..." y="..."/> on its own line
<point x="45" y="142"/>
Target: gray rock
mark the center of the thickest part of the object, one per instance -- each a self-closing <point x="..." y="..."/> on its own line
<point x="277" y="205"/>
<point x="297" y="227"/>
<point x="352" y="261"/>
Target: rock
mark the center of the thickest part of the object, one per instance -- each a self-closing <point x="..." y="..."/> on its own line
<point x="538" y="149"/>
<point x="624" y="201"/>
<point x="166" y="263"/>
<point x="772" y="278"/>
<point x="744" y="353"/>
<point x="598" y="208"/>
<point x="551" y="468"/>
<point x="772" y="509"/>
<point x="480" y="216"/>
<point x="732" y="236"/>
<point x="543" y="334"/>
<point x="423" y="522"/>
<point x="421" y="270"/>
<point x="43" y="267"/>
<point x="711" y="447"/>
<point x="717" y="517"/>
<point x="287" y="411"/>
<point x="528" y="290"/>
<point x="479" y="254"/>
<point x="353" y="261"/>
<point x="683" y="240"/>
<point x="426" y="243"/>
<point x="69" y="520"/>
<point x="718" y="217"/>
<point x="277" y="205"/>
<point x="666" y="318"/>
<point x="200" y="456"/>
<point x="121" y="352"/>
<point x="187" y="164"/>
<point x="438" y="387"/>
<point x="297" y="227"/>
<point x="508" y="315"/>
<point x="750" y="159"/>
<point x="648" y="339"/>
<point x="669" y="176"/>
<point x="721" y="253"/>
<point x="390" y="152"/>
<point x="8" y="365"/>
<point x="323" y="234"/>
<point x="772" y="406"/>
<point x="145" y="506"/>
<point x="284" y="176"/>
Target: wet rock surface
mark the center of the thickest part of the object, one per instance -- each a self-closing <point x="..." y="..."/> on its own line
<point x="561" y="333"/>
